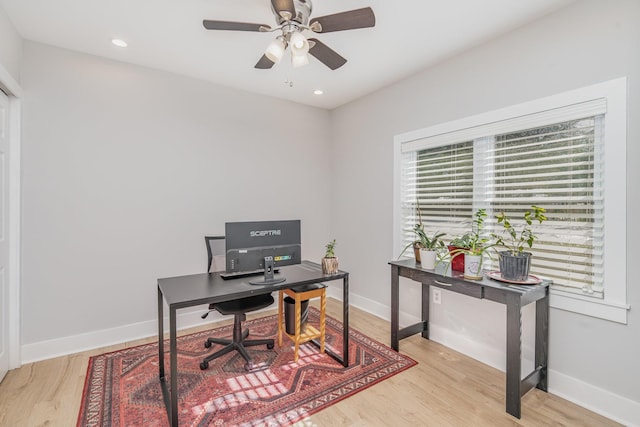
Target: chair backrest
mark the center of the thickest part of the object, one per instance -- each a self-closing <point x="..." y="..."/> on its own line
<point x="216" y="259"/>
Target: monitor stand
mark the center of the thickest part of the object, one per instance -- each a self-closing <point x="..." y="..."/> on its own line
<point x="269" y="278"/>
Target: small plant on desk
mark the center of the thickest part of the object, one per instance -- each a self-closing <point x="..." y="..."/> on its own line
<point x="330" y="260"/>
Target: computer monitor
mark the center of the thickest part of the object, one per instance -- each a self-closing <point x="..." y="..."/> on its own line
<point x="258" y="247"/>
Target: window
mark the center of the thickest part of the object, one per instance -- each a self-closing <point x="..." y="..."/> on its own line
<point x="552" y="153"/>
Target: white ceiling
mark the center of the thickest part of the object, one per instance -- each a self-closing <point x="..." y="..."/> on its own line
<point x="168" y="34"/>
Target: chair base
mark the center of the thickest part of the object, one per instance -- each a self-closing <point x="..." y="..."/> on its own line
<point x="237" y="343"/>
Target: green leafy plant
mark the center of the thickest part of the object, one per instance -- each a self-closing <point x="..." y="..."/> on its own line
<point x="462" y="242"/>
<point x="514" y="239"/>
<point x="473" y="243"/>
<point x="423" y="240"/>
<point x="426" y="242"/>
<point x="330" y="252"/>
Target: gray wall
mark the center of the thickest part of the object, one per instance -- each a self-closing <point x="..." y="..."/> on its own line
<point x="125" y="169"/>
<point x="586" y="43"/>
<point x="10" y="46"/>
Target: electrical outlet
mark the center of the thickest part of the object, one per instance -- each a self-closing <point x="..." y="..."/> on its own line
<point x="437" y="296"/>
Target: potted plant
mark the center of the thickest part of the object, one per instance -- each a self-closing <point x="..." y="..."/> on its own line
<point x="330" y="260"/>
<point x="473" y="247"/>
<point x="463" y="242"/>
<point x="514" y="261"/>
<point x="423" y="241"/>
<point x="428" y="246"/>
<point x="417" y="229"/>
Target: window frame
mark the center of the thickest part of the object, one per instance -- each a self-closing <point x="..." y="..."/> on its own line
<point x="614" y="305"/>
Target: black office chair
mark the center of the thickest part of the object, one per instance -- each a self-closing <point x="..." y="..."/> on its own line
<point x="239" y="308"/>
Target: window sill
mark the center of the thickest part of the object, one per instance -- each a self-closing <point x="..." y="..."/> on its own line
<point x="601" y="309"/>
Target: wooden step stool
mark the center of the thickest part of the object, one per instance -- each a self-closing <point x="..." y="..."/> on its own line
<point x="300" y="294"/>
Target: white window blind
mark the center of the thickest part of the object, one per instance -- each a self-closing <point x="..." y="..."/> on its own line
<point x="565" y="152"/>
<point x="440" y="180"/>
<point x="553" y="159"/>
<point x="558" y="167"/>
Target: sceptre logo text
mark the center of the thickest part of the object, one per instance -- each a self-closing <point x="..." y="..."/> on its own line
<point x="264" y="233"/>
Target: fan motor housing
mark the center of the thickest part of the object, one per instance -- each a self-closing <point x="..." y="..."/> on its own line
<point x="303" y="11"/>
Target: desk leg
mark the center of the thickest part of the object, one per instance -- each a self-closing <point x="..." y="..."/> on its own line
<point x="425" y="310"/>
<point x="395" y="306"/>
<point x="173" y="350"/>
<point x="167" y="396"/>
<point x="160" y="336"/>
<point x="542" y="339"/>
<point x="514" y="334"/>
<point x="345" y="321"/>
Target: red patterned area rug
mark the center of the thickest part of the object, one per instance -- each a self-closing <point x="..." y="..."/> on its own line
<point x="122" y="388"/>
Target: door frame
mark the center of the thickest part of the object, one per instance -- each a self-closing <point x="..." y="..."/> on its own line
<point x="13" y="89"/>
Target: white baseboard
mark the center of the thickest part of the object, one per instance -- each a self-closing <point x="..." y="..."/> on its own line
<point x="49" y="349"/>
<point x="365" y="304"/>
<point x="89" y="341"/>
<point x="610" y="405"/>
<point x="488" y="355"/>
<point x="595" y="399"/>
<point x="603" y="402"/>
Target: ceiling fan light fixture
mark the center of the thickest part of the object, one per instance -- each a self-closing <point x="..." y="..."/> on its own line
<point x="275" y="50"/>
<point x="299" y="43"/>
<point x="299" y="60"/>
<point x="293" y="19"/>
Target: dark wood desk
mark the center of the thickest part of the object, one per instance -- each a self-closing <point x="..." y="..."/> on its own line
<point x="187" y="291"/>
<point x="513" y="296"/>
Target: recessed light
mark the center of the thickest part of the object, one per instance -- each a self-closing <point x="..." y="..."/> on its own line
<point x="318" y="92"/>
<point x="119" y="42"/>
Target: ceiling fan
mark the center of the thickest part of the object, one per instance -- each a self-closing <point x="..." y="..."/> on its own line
<point x="292" y="18"/>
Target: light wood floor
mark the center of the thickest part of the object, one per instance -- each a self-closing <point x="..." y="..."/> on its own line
<point x="446" y="388"/>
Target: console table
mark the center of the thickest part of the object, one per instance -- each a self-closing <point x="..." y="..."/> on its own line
<point x="513" y="296"/>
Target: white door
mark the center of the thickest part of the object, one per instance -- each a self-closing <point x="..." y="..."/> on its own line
<point x="4" y="241"/>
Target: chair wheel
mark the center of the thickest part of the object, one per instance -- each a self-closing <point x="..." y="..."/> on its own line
<point x="248" y="366"/>
<point x="204" y="365"/>
<point x="207" y="344"/>
<point x="270" y="346"/>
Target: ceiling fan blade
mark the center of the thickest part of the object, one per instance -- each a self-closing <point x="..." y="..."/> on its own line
<point x="326" y="55"/>
<point x="350" y="20"/>
<point x="284" y="6"/>
<point x="234" y="26"/>
<point x="264" y="63"/>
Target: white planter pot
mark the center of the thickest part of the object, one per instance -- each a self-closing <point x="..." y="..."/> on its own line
<point x="472" y="267"/>
<point x="428" y="259"/>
